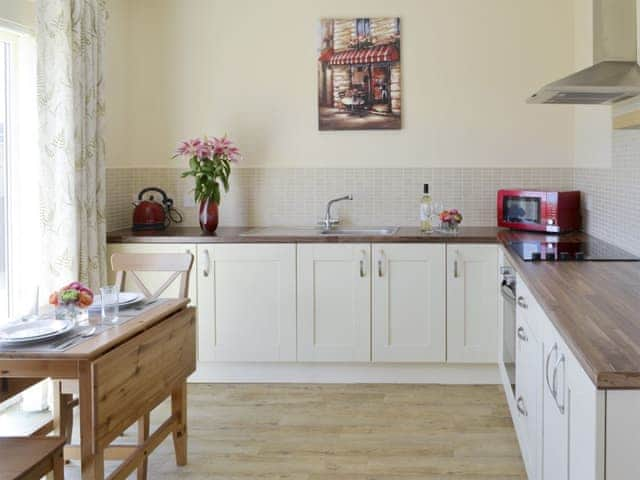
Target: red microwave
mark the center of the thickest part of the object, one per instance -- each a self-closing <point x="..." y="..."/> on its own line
<point x="539" y="211"/>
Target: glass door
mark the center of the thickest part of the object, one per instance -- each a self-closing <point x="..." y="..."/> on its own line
<point x="4" y="155"/>
<point x="517" y="209"/>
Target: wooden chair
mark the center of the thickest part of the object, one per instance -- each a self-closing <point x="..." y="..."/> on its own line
<point x="127" y="264"/>
<point x="30" y="458"/>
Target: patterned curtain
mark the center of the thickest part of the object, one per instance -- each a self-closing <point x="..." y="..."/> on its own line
<point x="70" y="37"/>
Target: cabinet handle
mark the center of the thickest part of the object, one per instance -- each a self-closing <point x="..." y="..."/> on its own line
<point x="207" y="264"/>
<point x="363" y="272"/>
<point x="546" y="369"/>
<point x="456" y="270"/>
<point x="380" y="261"/>
<point x="522" y="303"/>
<point x="521" y="335"/>
<point x="521" y="407"/>
<point x="554" y="382"/>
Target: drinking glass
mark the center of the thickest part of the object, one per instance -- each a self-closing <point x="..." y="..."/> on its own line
<point x="436" y="209"/>
<point x="109" y="299"/>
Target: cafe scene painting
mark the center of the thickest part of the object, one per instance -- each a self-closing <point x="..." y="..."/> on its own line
<point x="359" y="74"/>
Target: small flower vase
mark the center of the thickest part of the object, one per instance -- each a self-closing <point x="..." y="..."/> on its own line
<point x="451" y="227"/>
<point x="208" y="215"/>
<point x="70" y="312"/>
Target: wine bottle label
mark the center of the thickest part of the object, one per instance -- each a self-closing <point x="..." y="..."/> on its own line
<point x="424" y="212"/>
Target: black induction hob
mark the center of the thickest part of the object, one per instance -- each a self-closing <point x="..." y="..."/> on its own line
<point x="590" y="250"/>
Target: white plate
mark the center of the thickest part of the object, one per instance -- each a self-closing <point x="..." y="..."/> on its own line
<point x="34" y="330"/>
<point x="124" y="299"/>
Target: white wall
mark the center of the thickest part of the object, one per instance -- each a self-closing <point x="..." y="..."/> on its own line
<point x="22" y="12"/>
<point x="181" y="68"/>
<point x="117" y="120"/>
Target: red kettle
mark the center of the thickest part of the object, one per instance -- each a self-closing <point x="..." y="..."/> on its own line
<point x="151" y="214"/>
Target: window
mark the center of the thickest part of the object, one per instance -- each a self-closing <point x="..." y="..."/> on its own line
<point x="363" y="32"/>
<point x="19" y="198"/>
<point x="363" y="27"/>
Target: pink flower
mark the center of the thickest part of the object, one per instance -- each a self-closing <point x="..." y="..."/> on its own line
<point x="225" y="148"/>
<point x="189" y="148"/>
<point x="203" y="151"/>
<point x="208" y="149"/>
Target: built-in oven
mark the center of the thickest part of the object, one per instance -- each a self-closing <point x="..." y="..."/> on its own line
<point x="507" y="281"/>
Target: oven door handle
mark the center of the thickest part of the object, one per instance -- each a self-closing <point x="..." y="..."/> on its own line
<point x="508" y="293"/>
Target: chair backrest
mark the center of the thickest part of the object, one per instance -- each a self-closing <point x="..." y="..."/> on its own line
<point x="129" y="263"/>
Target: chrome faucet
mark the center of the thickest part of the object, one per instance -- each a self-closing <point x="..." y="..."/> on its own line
<point x="327" y="222"/>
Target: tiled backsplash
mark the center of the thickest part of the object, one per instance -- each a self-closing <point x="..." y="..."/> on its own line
<point x="611" y="196"/>
<point x="297" y="196"/>
<point x="390" y="196"/>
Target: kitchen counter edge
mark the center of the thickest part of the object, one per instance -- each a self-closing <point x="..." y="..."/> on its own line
<point x="236" y="235"/>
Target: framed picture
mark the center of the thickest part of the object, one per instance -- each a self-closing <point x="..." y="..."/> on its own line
<point x="359" y="84"/>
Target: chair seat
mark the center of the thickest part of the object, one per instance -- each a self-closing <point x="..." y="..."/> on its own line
<point x="28" y="457"/>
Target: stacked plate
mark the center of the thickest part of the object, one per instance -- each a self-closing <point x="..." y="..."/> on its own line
<point x="32" y="331"/>
<point x="125" y="299"/>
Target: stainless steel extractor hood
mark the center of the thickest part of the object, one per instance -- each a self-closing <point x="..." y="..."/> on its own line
<point x="616" y="74"/>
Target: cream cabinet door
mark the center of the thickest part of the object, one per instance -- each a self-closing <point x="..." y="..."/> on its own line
<point x="472" y="303"/>
<point x="409" y="303"/>
<point x="334" y="295"/>
<point x="248" y="302"/>
<point x="154" y="280"/>
<point x="573" y="417"/>
<point x="529" y="392"/>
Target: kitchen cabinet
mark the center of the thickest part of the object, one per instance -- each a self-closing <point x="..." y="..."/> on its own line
<point x="334" y="302"/>
<point x="573" y="413"/>
<point x="154" y="280"/>
<point x="247" y="308"/>
<point x="472" y="303"/>
<point x="528" y="379"/>
<point x="409" y="322"/>
<point x="627" y="121"/>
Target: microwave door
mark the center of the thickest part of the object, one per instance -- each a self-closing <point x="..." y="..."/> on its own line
<point x="523" y="210"/>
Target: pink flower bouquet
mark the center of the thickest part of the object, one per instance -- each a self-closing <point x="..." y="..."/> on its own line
<point x="75" y="294"/>
<point x="450" y="219"/>
<point x="209" y="162"/>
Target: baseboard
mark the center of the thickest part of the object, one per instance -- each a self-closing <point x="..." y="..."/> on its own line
<point x="214" y="372"/>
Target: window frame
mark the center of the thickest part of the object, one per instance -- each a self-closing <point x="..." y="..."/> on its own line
<point x="10" y="37"/>
<point x="8" y="41"/>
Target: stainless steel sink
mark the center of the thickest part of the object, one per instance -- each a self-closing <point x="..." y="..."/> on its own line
<point x="360" y="231"/>
<point x="316" y="232"/>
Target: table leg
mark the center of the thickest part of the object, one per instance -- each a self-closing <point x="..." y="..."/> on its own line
<point x="143" y="435"/>
<point x="179" y="409"/>
<point x="58" y="466"/>
<point x="91" y="462"/>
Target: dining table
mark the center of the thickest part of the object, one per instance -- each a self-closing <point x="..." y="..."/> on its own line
<point x="124" y="370"/>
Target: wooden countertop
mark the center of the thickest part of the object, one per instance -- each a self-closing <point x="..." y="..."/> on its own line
<point x="236" y="235"/>
<point x="594" y="305"/>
